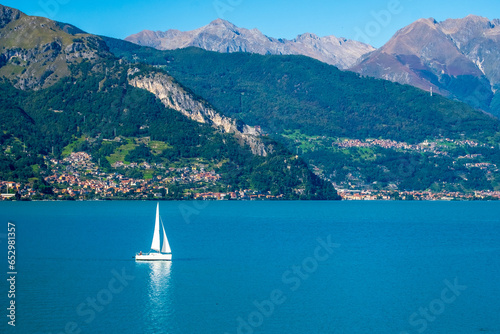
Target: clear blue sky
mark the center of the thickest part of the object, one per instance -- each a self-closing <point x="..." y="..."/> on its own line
<point x="373" y="21"/>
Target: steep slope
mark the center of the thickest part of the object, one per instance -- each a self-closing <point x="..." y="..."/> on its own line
<point x="479" y="39"/>
<point x="457" y="58"/>
<point x="8" y="15"/>
<point x="35" y="52"/>
<point x="223" y="36"/>
<point x="175" y="97"/>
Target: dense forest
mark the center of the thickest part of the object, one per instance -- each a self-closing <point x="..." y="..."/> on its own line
<point x="409" y="171"/>
<point x="299" y="93"/>
<point x="96" y="103"/>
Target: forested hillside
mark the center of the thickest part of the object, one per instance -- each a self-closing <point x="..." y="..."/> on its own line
<point x="299" y="93"/>
<point x="359" y="132"/>
<point x="99" y="108"/>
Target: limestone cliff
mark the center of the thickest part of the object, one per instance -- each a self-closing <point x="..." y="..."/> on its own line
<point x="174" y="96"/>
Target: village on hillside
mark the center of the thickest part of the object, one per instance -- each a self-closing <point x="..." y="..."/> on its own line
<point x="77" y="177"/>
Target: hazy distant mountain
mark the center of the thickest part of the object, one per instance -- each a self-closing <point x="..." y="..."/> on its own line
<point x="459" y="58"/>
<point x="223" y="36"/>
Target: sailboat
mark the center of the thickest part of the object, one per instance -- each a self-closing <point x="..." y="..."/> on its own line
<point x="157" y="254"/>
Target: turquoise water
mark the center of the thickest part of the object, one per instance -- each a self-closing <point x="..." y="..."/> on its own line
<point x="256" y="267"/>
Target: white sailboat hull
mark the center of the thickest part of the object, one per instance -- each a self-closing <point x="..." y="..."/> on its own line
<point x="153" y="257"/>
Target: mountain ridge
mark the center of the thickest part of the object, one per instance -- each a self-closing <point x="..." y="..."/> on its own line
<point x="36" y="51"/>
<point x="47" y="57"/>
<point x="223" y="36"/>
<point x="8" y="14"/>
<point x="458" y="58"/>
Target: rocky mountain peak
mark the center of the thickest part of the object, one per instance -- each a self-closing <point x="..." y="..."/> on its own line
<point x="457" y="58"/>
<point x="8" y="15"/>
<point x="222" y="22"/>
<point x="415" y="38"/>
<point x="223" y="36"/>
<point x="35" y="52"/>
<point x="307" y="36"/>
<point x="220" y="27"/>
<point x="429" y="21"/>
<point x="470" y="25"/>
<point x="476" y="18"/>
<point x="420" y="25"/>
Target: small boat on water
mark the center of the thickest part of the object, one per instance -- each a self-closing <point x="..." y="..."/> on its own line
<point x="157" y="254"/>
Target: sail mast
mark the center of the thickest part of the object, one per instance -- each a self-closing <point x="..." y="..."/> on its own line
<point x="155" y="245"/>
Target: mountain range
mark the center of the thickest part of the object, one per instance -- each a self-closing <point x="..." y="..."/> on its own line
<point x="238" y="114"/>
<point x="458" y="58"/>
<point x="223" y="36"/>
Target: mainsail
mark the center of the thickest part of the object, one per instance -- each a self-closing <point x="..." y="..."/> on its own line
<point x="155" y="245"/>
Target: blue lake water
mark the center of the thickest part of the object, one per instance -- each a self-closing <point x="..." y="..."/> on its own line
<point x="255" y="267"/>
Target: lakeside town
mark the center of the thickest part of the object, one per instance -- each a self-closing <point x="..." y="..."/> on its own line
<point x="77" y="177"/>
<point x="434" y="147"/>
<point x="367" y="195"/>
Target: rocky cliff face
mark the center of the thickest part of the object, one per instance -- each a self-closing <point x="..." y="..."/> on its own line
<point x="479" y="40"/>
<point x="459" y="58"/>
<point x="175" y="97"/>
<point x="223" y="36"/>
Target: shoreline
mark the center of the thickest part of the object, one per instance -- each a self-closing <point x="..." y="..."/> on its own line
<point x="256" y="200"/>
